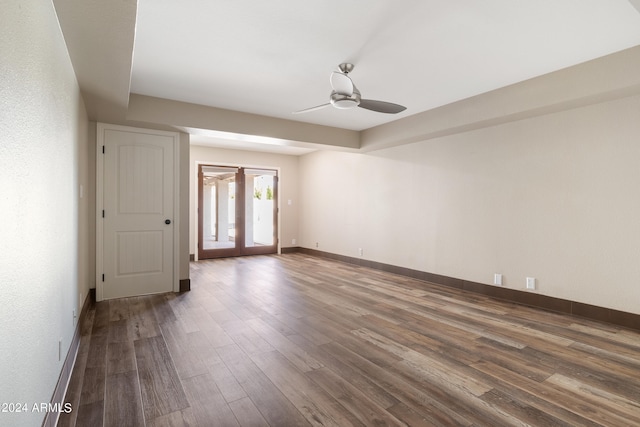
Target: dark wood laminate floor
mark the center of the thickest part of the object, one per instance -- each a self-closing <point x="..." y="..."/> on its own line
<point x="295" y="340"/>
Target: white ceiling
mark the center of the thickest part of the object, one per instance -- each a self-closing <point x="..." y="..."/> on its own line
<point x="271" y="58"/>
<point x="275" y="57"/>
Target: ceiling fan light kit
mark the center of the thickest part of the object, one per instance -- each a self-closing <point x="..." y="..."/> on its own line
<point x="345" y="102"/>
<point x="345" y="95"/>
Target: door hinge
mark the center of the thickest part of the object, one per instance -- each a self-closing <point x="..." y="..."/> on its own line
<point x="103" y="277"/>
<point x="103" y="149"/>
<point x="102" y="213"/>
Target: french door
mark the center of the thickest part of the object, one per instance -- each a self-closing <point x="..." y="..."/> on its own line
<point x="237" y="211"/>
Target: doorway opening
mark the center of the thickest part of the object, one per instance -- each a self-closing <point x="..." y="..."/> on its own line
<point x="237" y="211"/>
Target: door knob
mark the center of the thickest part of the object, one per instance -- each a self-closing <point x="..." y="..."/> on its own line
<point x="167" y="221"/>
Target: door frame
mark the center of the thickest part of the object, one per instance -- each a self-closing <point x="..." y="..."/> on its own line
<point x="101" y="128"/>
<point x="196" y="199"/>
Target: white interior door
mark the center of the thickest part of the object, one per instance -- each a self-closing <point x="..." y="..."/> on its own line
<point x="138" y="212"/>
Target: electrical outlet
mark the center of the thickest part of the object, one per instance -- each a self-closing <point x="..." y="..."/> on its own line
<point x="360" y="251"/>
<point x="316" y="244"/>
<point x="531" y="283"/>
<point x="497" y="279"/>
<point x="293" y="241"/>
<point x="75" y="317"/>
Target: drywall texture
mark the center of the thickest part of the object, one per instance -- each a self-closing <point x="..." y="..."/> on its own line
<point x="43" y="222"/>
<point x="288" y="185"/>
<point x="552" y="197"/>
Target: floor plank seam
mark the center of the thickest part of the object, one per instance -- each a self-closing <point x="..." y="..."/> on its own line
<point x="297" y="340"/>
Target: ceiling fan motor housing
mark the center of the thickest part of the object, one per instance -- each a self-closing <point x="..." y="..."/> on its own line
<point x="344" y="102"/>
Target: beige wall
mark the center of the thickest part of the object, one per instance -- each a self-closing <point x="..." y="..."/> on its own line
<point x="553" y="197"/>
<point x="288" y="185"/>
<point x="45" y="224"/>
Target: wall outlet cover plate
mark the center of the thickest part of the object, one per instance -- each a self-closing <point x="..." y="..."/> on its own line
<point x="531" y="283"/>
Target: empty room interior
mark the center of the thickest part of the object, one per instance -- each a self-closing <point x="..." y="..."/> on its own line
<point x="321" y="213"/>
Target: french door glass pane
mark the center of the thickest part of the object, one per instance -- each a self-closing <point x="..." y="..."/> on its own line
<point x="219" y="205"/>
<point x="259" y="207"/>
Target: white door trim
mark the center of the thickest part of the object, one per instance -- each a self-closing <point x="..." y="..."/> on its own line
<point x="101" y="128"/>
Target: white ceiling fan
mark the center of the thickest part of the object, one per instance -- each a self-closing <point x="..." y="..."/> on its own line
<point x="345" y="95"/>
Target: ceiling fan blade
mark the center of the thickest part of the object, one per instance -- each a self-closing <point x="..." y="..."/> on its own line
<point x="341" y="83"/>
<point x="381" y="106"/>
<point x="307" y="110"/>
